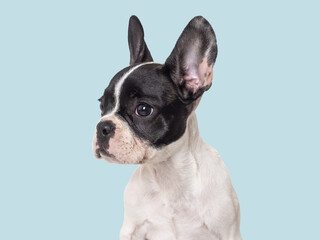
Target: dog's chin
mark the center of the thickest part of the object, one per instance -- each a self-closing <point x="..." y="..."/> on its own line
<point x="104" y="154"/>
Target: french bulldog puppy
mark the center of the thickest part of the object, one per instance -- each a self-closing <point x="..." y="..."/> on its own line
<point x="181" y="189"/>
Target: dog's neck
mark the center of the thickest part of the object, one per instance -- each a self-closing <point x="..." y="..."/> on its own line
<point x="174" y="168"/>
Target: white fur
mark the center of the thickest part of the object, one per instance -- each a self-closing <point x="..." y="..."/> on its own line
<point x="182" y="192"/>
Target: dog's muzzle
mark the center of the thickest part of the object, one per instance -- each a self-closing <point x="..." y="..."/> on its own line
<point x="115" y="142"/>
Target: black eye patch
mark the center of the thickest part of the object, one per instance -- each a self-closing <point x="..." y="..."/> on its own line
<point x="134" y="93"/>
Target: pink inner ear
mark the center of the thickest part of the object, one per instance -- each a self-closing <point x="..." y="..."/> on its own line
<point x="196" y="77"/>
<point x="205" y="72"/>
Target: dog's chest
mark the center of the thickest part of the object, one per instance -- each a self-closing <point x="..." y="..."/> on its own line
<point x="198" y="205"/>
<point x="178" y="215"/>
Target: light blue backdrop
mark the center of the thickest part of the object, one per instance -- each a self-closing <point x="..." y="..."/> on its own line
<point x="262" y="113"/>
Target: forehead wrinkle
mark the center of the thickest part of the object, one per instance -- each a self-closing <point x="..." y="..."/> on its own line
<point x="143" y="84"/>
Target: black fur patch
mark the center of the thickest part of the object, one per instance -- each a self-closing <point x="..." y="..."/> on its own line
<point x="148" y="84"/>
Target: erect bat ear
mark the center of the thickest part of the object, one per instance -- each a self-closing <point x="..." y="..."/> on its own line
<point x="139" y="51"/>
<point x="190" y="64"/>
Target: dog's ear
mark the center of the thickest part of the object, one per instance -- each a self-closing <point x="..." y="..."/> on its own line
<point x="139" y="51"/>
<point x="191" y="61"/>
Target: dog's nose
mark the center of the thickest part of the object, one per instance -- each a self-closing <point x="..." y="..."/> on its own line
<point x="105" y="130"/>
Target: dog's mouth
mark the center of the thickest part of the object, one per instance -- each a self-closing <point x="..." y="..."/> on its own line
<point x="104" y="154"/>
<point x="126" y="153"/>
<point x="100" y="153"/>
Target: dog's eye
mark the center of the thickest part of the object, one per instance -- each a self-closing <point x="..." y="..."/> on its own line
<point x="144" y="110"/>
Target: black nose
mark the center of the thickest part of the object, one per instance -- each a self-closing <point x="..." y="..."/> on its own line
<point x="105" y="130"/>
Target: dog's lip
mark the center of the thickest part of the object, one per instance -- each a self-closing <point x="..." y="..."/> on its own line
<point x="108" y="156"/>
<point x="97" y="153"/>
<point x="100" y="152"/>
<point x="112" y="159"/>
<point x="103" y="152"/>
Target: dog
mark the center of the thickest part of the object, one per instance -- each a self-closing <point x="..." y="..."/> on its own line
<point x="181" y="189"/>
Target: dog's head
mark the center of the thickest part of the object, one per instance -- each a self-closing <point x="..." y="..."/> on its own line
<point x="146" y="105"/>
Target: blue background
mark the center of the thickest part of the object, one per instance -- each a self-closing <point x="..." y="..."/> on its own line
<point x="262" y="113"/>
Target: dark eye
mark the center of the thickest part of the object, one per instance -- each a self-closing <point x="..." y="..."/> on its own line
<point x="144" y="110"/>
